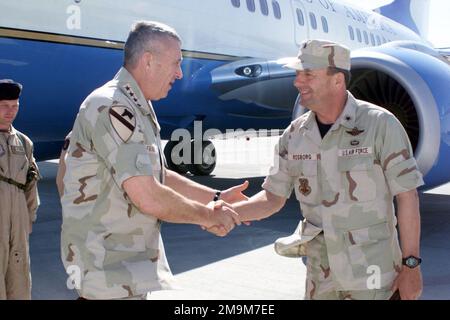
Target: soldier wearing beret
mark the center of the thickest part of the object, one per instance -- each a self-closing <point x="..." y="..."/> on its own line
<point x="346" y="160"/>
<point x="18" y="197"/>
<point x="116" y="188"/>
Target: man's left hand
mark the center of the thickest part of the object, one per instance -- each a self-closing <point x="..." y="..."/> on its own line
<point x="234" y="194"/>
<point x="409" y="283"/>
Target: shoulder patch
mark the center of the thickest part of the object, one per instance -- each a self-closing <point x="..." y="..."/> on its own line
<point x="123" y="121"/>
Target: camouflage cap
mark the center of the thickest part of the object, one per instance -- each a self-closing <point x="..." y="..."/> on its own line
<point x="9" y="89"/>
<point x="319" y="54"/>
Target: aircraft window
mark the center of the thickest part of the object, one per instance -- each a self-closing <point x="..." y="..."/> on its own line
<point x="366" y="37"/>
<point x="358" y="35"/>
<point x="372" y="39"/>
<point x="276" y="9"/>
<point x="236" y="3"/>
<point x="352" y="33"/>
<point x="251" y="5"/>
<point x="378" y="40"/>
<point x="312" y="17"/>
<point x="300" y="17"/>
<point x="324" y="24"/>
<point x="264" y="7"/>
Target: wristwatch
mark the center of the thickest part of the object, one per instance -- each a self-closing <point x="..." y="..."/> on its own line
<point x="411" y="261"/>
<point x="217" y="195"/>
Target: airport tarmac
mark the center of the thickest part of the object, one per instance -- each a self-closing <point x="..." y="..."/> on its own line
<point x="242" y="265"/>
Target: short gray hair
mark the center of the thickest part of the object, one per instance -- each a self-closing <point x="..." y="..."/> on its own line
<point x="141" y="36"/>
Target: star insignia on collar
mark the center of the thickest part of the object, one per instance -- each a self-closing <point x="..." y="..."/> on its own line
<point x="355" y="132"/>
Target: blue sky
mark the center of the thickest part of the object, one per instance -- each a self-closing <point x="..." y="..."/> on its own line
<point x="439" y="22"/>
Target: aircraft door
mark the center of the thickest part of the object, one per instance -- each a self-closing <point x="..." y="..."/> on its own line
<point x="301" y="21"/>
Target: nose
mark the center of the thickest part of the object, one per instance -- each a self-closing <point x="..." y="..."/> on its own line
<point x="179" y="73"/>
<point x="300" y="79"/>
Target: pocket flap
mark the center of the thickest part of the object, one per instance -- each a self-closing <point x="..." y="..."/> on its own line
<point x="133" y="242"/>
<point x="367" y="235"/>
<point x="310" y="168"/>
<point x="303" y="168"/>
<point x="359" y="163"/>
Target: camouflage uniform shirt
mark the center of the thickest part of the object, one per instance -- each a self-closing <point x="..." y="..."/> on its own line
<point x="117" y="249"/>
<point x="345" y="184"/>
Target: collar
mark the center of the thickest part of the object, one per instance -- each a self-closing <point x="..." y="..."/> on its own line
<point x="10" y="131"/>
<point x="347" y="117"/>
<point x="308" y="124"/>
<point x="129" y="86"/>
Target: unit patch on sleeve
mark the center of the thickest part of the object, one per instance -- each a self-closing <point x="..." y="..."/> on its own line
<point x="123" y="121"/>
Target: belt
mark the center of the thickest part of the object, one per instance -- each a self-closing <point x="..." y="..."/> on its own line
<point x="19" y="185"/>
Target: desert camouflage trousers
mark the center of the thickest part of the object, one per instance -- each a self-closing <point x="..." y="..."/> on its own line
<point x="319" y="282"/>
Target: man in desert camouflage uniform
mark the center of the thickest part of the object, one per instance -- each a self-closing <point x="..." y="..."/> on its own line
<point x="116" y="188"/>
<point x="19" y="198"/>
<point x="346" y="159"/>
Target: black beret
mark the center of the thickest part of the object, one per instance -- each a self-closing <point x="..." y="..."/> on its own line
<point x="9" y="89"/>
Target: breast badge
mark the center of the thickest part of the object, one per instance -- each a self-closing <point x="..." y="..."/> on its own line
<point x="355" y="132"/>
<point x="304" y="187"/>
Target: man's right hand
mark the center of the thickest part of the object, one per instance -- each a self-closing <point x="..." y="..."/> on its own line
<point x="222" y="218"/>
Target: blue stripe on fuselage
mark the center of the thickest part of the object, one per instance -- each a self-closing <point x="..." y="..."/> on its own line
<point x="57" y="77"/>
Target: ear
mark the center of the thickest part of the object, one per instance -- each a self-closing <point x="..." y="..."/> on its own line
<point x="339" y="79"/>
<point x="147" y="59"/>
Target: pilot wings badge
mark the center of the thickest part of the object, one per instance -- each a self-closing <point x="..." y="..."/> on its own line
<point x="355" y="132"/>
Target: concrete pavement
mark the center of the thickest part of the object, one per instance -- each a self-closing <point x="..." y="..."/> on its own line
<point x="242" y="265"/>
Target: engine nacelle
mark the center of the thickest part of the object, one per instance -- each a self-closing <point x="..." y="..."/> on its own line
<point x="415" y="86"/>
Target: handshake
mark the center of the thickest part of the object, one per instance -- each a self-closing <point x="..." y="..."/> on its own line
<point x="222" y="216"/>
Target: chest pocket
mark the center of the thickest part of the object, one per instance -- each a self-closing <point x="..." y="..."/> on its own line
<point x="306" y="184"/>
<point x="18" y="163"/>
<point x="357" y="176"/>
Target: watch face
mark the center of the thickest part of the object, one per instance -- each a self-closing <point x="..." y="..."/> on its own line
<point x="411" y="262"/>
